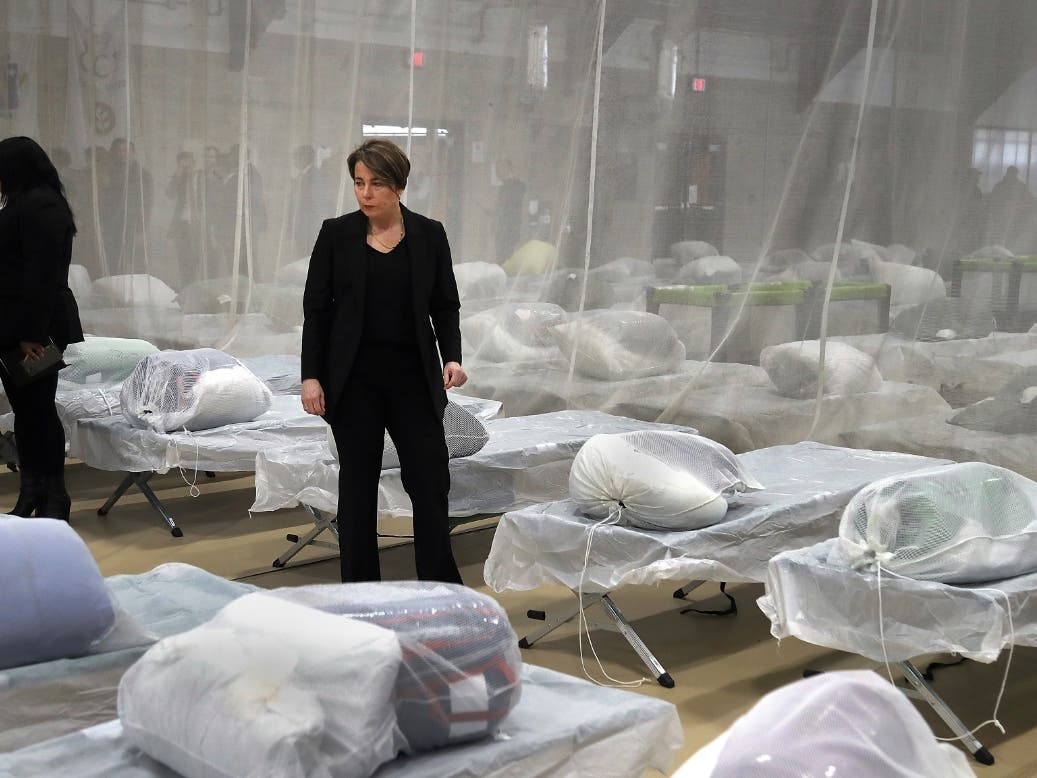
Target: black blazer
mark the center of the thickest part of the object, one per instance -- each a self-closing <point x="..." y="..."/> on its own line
<point x="35" y="251"/>
<point x="333" y="303"/>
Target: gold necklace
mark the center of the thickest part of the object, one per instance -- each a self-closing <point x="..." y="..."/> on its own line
<point x="381" y="243"/>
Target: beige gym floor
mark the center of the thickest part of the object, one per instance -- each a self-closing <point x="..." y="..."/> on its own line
<point x="721" y="665"/>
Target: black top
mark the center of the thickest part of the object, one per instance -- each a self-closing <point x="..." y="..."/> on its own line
<point x="388" y="313"/>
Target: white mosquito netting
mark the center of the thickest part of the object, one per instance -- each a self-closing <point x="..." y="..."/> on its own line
<point x="722" y="177"/>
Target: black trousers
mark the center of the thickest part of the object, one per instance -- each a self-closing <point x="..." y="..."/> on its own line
<point x="37" y="429"/>
<point x="387" y="390"/>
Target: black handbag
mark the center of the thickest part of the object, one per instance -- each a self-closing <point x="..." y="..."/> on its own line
<point x="25" y="371"/>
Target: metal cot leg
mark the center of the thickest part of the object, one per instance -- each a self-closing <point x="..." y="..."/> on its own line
<point x="140" y="480"/>
<point x="943" y="710"/>
<point x="320" y="523"/>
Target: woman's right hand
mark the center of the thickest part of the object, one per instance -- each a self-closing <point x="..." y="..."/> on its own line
<point x="312" y="397"/>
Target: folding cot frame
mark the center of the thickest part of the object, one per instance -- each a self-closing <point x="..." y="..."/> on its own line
<point x="954" y="604"/>
<point x="1007" y="312"/>
<point x="826" y="519"/>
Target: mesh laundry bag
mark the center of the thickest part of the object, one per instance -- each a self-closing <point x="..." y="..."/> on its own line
<point x="959" y="523"/>
<point x="909" y="285"/>
<point x="567" y="288"/>
<point x="55" y="603"/>
<point x="514" y="332"/>
<point x="267" y="688"/>
<point x="849" y="723"/>
<point x="104" y="359"/>
<point x="616" y="345"/>
<point x="460" y="674"/>
<point x="194" y="390"/>
<point x="533" y="257"/>
<point x="662" y="480"/>
<point x="465" y="435"/>
<point x="794" y="367"/>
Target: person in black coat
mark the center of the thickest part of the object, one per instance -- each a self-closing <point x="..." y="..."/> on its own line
<point x="36" y="305"/>
<point x="380" y="297"/>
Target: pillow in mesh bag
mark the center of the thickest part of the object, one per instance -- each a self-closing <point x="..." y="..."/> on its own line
<point x="614" y="345"/>
<point x="460" y="675"/>
<point x="794" y="367"/>
<point x="465" y="435"/>
<point x="104" y="359"/>
<point x="663" y="480"/>
<point x="194" y="390"/>
<point x="1013" y="410"/>
<point x="514" y="332"/>
<point x="710" y="270"/>
<point x="214" y="295"/>
<point x="960" y="523"/>
<point x="567" y="288"/>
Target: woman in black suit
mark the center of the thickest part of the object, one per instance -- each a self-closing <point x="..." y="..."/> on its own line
<point x="380" y="296"/>
<point x="36" y="305"/>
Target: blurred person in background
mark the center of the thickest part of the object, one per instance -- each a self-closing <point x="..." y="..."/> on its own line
<point x="380" y="307"/>
<point x="36" y="307"/>
<point x="184" y="188"/>
<point x="126" y="209"/>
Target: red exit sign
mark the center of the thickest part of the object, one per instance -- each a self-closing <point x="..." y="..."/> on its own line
<point x="698" y="84"/>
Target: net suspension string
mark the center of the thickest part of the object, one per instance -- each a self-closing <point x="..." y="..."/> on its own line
<point x="614" y="517"/>
<point x="599" y="55"/>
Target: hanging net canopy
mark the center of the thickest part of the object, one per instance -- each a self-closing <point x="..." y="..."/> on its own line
<point x="768" y="221"/>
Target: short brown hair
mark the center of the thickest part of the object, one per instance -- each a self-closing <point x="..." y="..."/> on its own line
<point x="383" y="158"/>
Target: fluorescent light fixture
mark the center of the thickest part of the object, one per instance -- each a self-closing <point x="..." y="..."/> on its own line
<point x="395" y="131"/>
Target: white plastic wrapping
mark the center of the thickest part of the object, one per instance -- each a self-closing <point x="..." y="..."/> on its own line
<point x="813" y="596"/>
<point x="193" y="390"/>
<point x="908" y="285"/>
<point x="526" y="460"/>
<point x="795" y="368"/>
<point x="562" y="726"/>
<point x="131" y="290"/>
<point x="807" y="485"/>
<point x="113" y="444"/>
<point x="514" y="332"/>
<point x="657" y="480"/>
<point x="616" y="345"/>
<point x="834" y="724"/>
<point x="266" y="688"/>
<point x="956" y="523"/>
<point x="460" y="666"/>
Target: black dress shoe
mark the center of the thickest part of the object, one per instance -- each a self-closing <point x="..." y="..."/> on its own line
<point x="30" y="493"/>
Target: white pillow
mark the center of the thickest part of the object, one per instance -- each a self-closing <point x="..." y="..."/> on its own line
<point x="266" y="688"/>
<point x="514" y="332"/>
<point x="127" y="291"/>
<point x="665" y="480"/>
<point x="710" y="270"/>
<point x="794" y="367"/>
<point x="960" y="523"/>
<point x="479" y="280"/>
<point x="909" y="285"/>
<point x="688" y="250"/>
<point x="616" y="345"/>
<point x="294" y="273"/>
